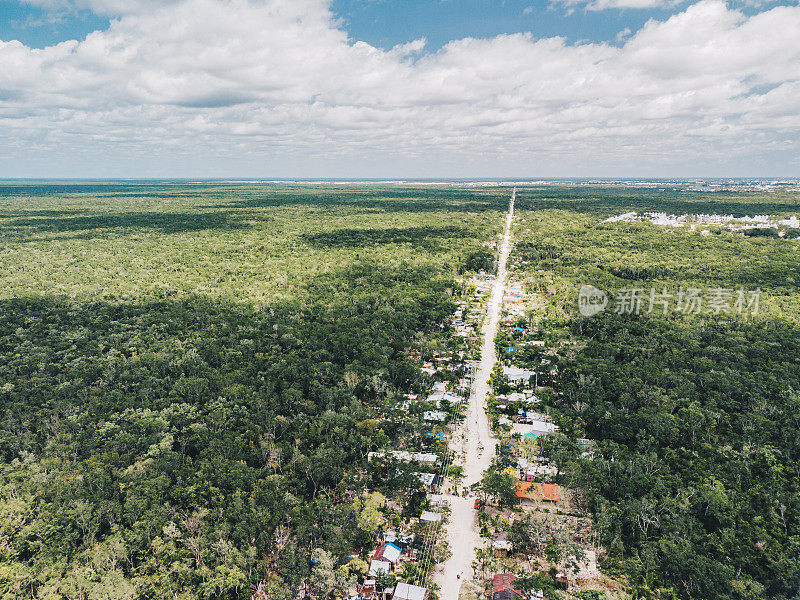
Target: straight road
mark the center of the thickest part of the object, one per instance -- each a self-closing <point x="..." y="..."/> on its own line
<point x="475" y="440"/>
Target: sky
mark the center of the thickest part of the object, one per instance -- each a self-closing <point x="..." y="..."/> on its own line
<point x="399" y="88"/>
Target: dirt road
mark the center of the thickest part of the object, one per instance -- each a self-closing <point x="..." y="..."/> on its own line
<point x="474" y="440"/>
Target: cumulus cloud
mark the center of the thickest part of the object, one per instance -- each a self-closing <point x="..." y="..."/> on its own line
<point x="204" y="82"/>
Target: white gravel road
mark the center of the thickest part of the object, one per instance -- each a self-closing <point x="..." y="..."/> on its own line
<point x="474" y="439"/>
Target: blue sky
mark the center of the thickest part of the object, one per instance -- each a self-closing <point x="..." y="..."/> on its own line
<point x="226" y="88"/>
<point x="38" y="27"/>
<point x="385" y="23"/>
<point x="390" y="22"/>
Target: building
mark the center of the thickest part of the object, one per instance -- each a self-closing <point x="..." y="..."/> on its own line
<point x="428" y="479"/>
<point x="406" y="591"/>
<point x="503" y="587"/>
<point x="435" y="415"/>
<point x="538" y="492"/>
<point x="403" y="456"/>
<point x="379" y="566"/>
<point x="501" y="545"/>
<point x="430" y="516"/>
<point x="516" y="375"/>
<point x="387" y="552"/>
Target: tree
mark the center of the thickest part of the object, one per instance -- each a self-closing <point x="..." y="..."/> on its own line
<point x="500" y="486"/>
<point x="370" y="519"/>
<point x="323" y="573"/>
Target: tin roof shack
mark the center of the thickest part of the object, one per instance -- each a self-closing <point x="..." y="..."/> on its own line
<point x="501" y="545"/>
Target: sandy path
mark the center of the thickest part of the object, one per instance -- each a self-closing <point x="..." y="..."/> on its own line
<point x="474" y="440"/>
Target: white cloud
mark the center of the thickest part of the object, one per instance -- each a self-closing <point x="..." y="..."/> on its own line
<point x="206" y="87"/>
<point x="625" y="33"/>
<point x="621" y="4"/>
<point x="598" y="5"/>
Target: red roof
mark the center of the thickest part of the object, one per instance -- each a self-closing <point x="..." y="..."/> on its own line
<point x="532" y="490"/>
<point x="378" y="554"/>
<point x="504" y="582"/>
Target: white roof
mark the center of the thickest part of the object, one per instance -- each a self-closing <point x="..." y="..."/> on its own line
<point x="376" y="566"/>
<point x="406" y="591"/>
<point x="435" y="415"/>
<point x="440" y="386"/>
<point x="502" y="545"/>
<point x="517" y="373"/>
<point x="391" y="552"/>
<point x="430" y="516"/>
<point x="405" y="456"/>
<point x="537" y="417"/>
<point x="437" y="398"/>
<point x="503" y="421"/>
<point x="543" y="426"/>
<point x="426" y="478"/>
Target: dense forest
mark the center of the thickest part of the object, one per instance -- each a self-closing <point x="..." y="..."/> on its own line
<point x="694" y="419"/>
<point x="191" y="378"/>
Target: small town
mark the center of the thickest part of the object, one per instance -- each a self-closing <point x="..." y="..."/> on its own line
<point x="531" y="534"/>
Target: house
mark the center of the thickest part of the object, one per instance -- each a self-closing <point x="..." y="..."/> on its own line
<point x="537" y="417"/>
<point x="435" y="398"/>
<point x="403" y="456"/>
<point x="535" y="428"/>
<point x="406" y="591"/>
<point x="368" y="589"/>
<point x="400" y="540"/>
<point x="530" y="469"/>
<point x="379" y="566"/>
<point x="388" y="552"/>
<point x="501" y="545"/>
<point x="517" y="375"/>
<point x="438" y="397"/>
<point x="435" y="415"/>
<point x="538" y="492"/>
<point x="426" y="478"/>
<point x="431" y="517"/>
<point x="503" y="587"/>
